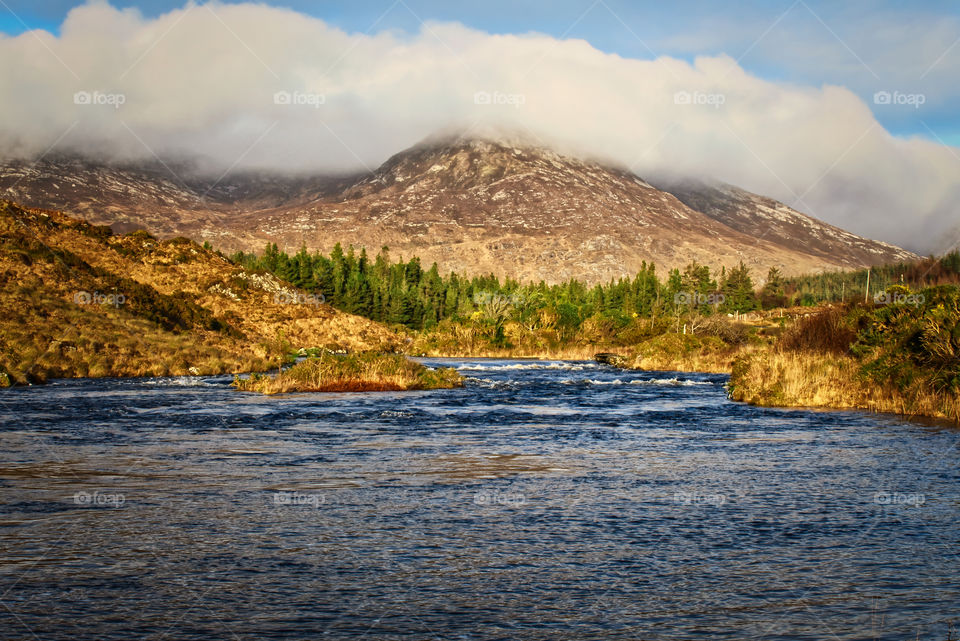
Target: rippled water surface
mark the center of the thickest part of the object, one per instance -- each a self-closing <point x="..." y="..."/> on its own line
<point x="543" y="501"/>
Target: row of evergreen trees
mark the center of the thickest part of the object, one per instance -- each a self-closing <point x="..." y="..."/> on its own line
<point x="861" y="284"/>
<point x="402" y="292"/>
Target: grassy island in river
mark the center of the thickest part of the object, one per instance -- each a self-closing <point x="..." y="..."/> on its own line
<point x="365" y="372"/>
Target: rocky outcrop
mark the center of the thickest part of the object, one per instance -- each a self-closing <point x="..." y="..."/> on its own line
<point x="608" y="358"/>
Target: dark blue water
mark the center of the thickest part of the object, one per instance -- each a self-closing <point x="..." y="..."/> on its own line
<point x="543" y="501"/>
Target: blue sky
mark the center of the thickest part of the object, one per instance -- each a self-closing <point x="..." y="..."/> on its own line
<point x="866" y="46"/>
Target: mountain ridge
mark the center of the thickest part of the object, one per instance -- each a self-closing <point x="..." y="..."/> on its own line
<point x="473" y="205"/>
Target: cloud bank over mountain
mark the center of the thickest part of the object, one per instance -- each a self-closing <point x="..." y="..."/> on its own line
<point x="250" y="86"/>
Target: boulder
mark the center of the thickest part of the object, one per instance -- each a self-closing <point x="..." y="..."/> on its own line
<point x="609" y="358"/>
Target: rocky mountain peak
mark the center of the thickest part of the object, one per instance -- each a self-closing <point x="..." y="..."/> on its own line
<point x="474" y="204"/>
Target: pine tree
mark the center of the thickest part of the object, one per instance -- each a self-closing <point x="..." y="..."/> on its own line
<point x="286" y="269"/>
<point x="338" y="275"/>
<point x="773" y="295"/>
<point x="304" y="264"/>
<point x="738" y="290"/>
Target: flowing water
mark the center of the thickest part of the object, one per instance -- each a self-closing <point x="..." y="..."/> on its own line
<point x="542" y="501"/>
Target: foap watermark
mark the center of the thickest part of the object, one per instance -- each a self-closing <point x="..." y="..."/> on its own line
<point x="697" y="498"/>
<point x="899" y="98"/>
<point x="114" y="100"/>
<point x="496" y="497"/>
<point x="99" y="499"/>
<point x="298" y="499"/>
<point x="696" y="298"/>
<point x="898" y="298"/>
<point x="912" y="499"/>
<point x="299" y="99"/>
<point x="288" y="298"/>
<point x="715" y="100"/>
<point x="96" y="298"/>
<point x="515" y="100"/>
<point x="496" y="298"/>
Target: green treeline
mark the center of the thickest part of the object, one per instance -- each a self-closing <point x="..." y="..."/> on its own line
<point x="851" y="285"/>
<point x="403" y="292"/>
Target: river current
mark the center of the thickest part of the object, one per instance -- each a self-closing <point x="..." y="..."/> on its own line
<point x="545" y="500"/>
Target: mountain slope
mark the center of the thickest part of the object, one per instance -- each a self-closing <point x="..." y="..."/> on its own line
<point x="950" y="241"/>
<point x="81" y="301"/>
<point x="772" y="220"/>
<point x="164" y="198"/>
<point x="484" y="206"/>
<point x="472" y="206"/>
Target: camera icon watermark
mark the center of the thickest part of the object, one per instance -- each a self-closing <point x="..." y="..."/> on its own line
<point x="515" y="100"/>
<point x="115" y="100"/>
<point x="696" y="498"/>
<point x="899" y="98"/>
<point x="899" y="498"/>
<point x="299" y="99"/>
<point x="494" y="298"/>
<point x="695" y="299"/>
<point x="298" y="298"/>
<point x="715" y="100"/>
<point x="99" y="499"/>
<point x="96" y="298"/>
<point x="495" y="497"/>
<point x="897" y="298"/>
<point x="298" y="499"/>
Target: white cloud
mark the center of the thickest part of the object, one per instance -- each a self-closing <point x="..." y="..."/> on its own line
<point x="202" y="81"/>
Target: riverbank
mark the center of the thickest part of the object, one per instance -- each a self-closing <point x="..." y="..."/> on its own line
<point x="686" y="353"/>
<point x="785" y="379"/>
<point x="707" y="353"/>
<point x="902" y="358"/>
<point x="81" y="301"/>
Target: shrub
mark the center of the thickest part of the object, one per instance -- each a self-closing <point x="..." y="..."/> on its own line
<point x="352" y="373"/>
<point x="727" y="330"/>
<point x="825" y="331"/>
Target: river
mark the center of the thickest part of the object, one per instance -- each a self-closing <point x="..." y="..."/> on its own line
<point x="545" y="500"/>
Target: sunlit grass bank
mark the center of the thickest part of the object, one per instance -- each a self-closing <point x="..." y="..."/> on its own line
<point x="902" y="357"/>
<point x="366" y="372"/>
<point x="685" y="353"/>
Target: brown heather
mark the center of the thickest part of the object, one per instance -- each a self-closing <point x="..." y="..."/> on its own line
<point x="368" y="372"/>
<point x="774" y="378"/>
<point x="81" y="301"/>
<point x="903" y="359"/>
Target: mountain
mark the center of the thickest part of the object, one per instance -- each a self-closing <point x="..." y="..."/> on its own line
<point x="164" y="197"/>
<point x="472" y="205"/>
<point x="950" y="242"/>
<point x="772" y="220"/>
<point x="80" y="300"/>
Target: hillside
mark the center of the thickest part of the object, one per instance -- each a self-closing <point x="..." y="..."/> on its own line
<point x="771" y="220"/>
<point x="472" y="205"/>
<point x="80" y="300"/>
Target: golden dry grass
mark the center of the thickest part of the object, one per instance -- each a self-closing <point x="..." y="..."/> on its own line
<point x="352" y="373"/>
<point x="569" y="353"/>
<point x="684" y="353"/>
<point x="776" y="378"/>
<point x="185" y="309"/>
